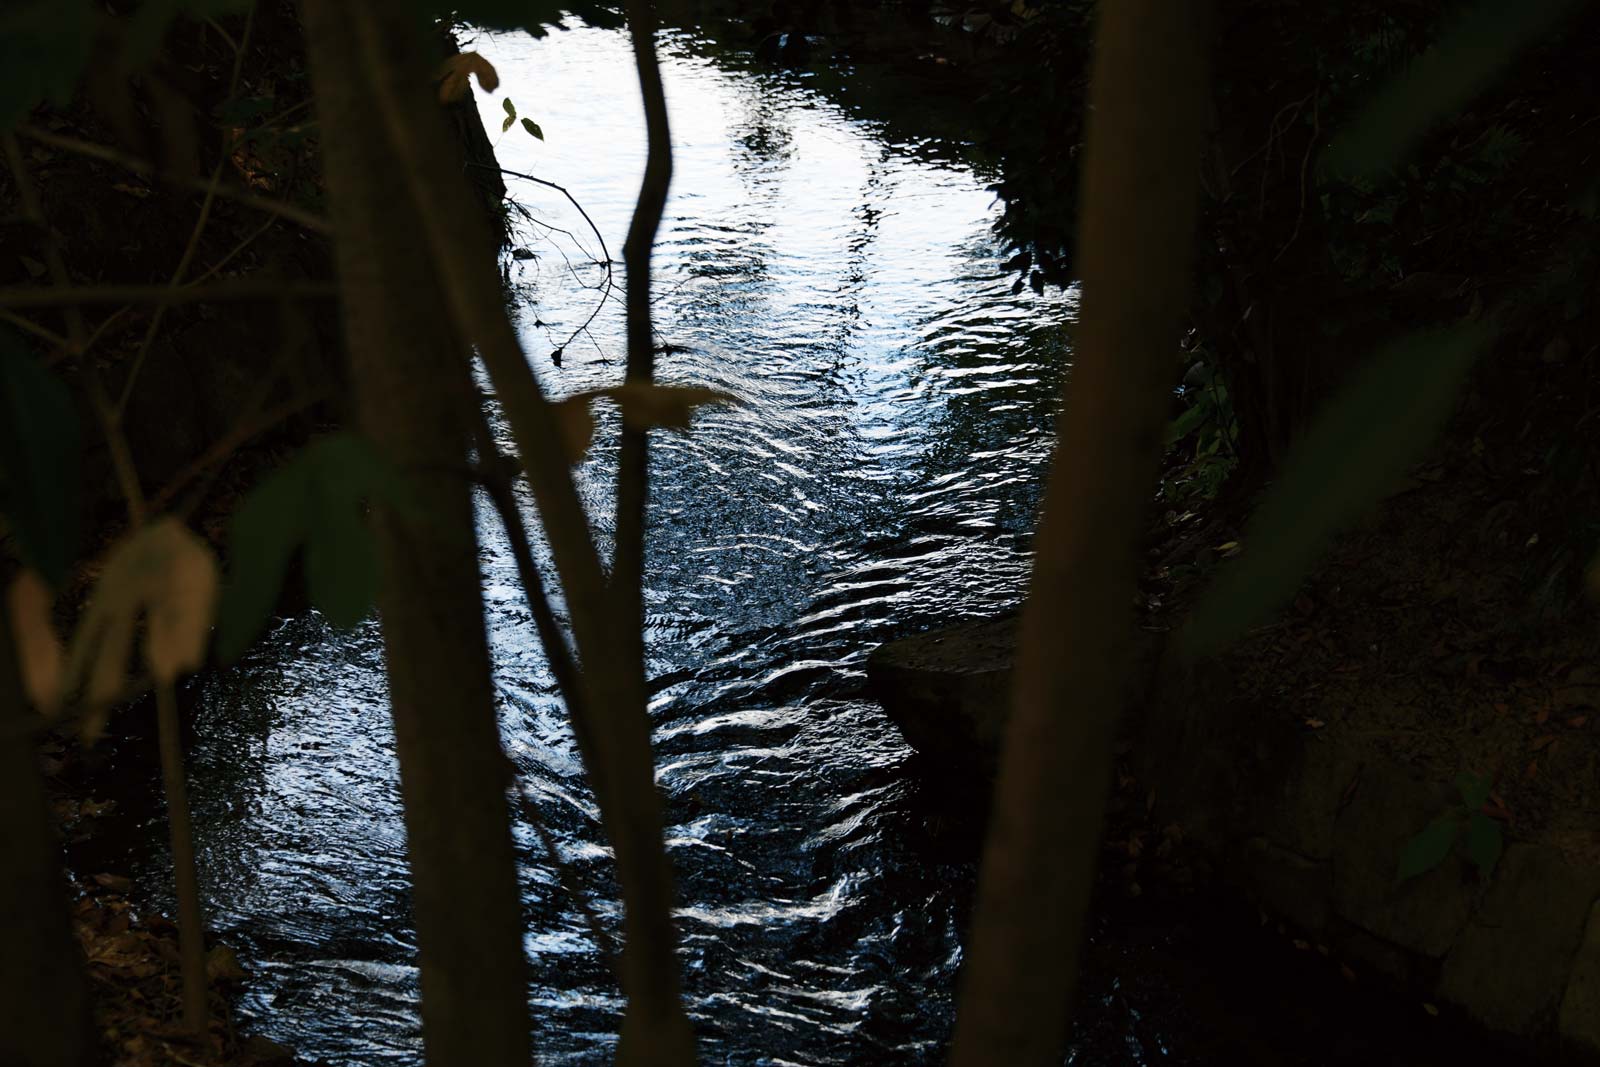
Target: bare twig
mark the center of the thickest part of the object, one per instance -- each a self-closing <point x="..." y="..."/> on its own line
<point x="50" y="337"/>
<point x="610" y="281"/>
<point x="244" y="243"/>
<point x="199" y="228"/>
<point x="570" y="883"/>
<point x="64" y="295"/>
<point x="282" y="208"/>
<point x="219" y="452"/>
<point x="1305" y="166"/>
<point x="627" y="574"/>
<point x="191" y="928"/>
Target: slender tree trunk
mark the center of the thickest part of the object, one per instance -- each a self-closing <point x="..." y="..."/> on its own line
<point x="413" y="387"/>
<point x="1140" y="188"/>
<point x="655" y="1031"/>
<point x="44" y="1006"/>
<point x="618" y="757"/>
<point x="185" y="871"/>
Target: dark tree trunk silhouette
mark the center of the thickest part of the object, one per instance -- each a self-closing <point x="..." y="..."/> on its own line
<point x="44" y="1008"/>
<point x="413" y="388"/>
<point x="1140" y="188"/>
<point x="617" y="755"/>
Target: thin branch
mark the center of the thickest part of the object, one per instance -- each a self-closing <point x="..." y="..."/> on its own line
<point x="310" y="220"/>
<point x="627" y="575"/>
<point x="610" y="281"/>
<point x="50" y="337"/>
<point x="191" y="926"/>
<point x="655" y="1028"/>
<point x="244" y="243"/>
<point x="240" y="435"/>
<point x="563" y="191"/>
<point x="199" y="227"/>
<point x="20" y="296"/>
<point x="63" y="294"/>
<point x="570" y="883"/>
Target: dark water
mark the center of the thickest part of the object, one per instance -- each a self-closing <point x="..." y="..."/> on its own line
<point x="877" y="474"/>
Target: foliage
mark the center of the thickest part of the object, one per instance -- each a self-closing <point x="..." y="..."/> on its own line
<point x="1480" y="834"/>
<point x="164" y="574"/>
<point x="1441" y="80"/>
<point x="159" y="575"/>
<point x="528" y="124"/>
<point x="314" y="505"/>
<point x="1348" y="459"/>
<point x="39" y="451"/>
<point x="45" y="46"/>
<point x="537" y="17"/>
<point x="1208" y="432"/>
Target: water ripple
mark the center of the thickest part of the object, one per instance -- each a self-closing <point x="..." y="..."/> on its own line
<point x="877" y="473"/>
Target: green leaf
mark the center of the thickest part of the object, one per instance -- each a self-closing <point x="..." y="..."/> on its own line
<point x="1354" y="451"/>
<point x="510" y="110"/>
<point x="315" y="503"/>
<point x="1441" y="81"/>
<point x="265" y="531"/>
<point x="1191" y="420"/>
<point x="506" y="125"/>
<point x="533" y="128"/>
<point x="1474" y="790"/>
<point x="1429" y="848"/>
<point x="341" y="563"/>
<point x="39" y="456"/>
<point x="1485" y="842"/>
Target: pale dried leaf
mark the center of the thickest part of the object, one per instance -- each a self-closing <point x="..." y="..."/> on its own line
<point x="646" y="405"/>
<point x="162" y="572"/>
<point x="40" y="655"/>
<point x="180" y="617"/>
<point x="109" y="665"/>
<point x="453" y="74"/>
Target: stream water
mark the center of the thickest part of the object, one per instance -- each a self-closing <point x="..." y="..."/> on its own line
<point x="877" y="474"/>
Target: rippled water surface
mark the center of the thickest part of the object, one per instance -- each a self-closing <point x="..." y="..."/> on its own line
<point x="877" y="474"/>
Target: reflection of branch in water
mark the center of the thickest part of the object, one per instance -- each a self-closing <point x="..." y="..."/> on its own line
<point x="610" y="282"/>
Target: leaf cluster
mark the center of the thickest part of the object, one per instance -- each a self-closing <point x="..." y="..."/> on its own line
<point x="1480" y="835"/>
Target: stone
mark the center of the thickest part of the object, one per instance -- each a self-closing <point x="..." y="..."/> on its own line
<point x="259" y="1051"/>
<point x="1422" y="914"/>
<point x="1579" y="1021"/>
<point x="947" y="690"/>
<point x="1509" y="965"/>
<point x="1301" y="807"/>
<point x="1286" y="885"/>
<point x="1401" y="971"/>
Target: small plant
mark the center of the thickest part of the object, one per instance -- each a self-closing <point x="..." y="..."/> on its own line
<point x="511" y="116"/>
<point x="1467" y="823"/>
<point x="1208" y="431"/>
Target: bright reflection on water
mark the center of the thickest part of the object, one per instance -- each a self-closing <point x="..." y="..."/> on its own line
<point x="878" y="475"/>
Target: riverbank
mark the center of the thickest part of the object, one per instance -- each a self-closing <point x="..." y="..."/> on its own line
<point x="1440" y="662"/>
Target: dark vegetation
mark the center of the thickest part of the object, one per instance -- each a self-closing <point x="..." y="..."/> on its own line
<point x="223" y="243"/>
